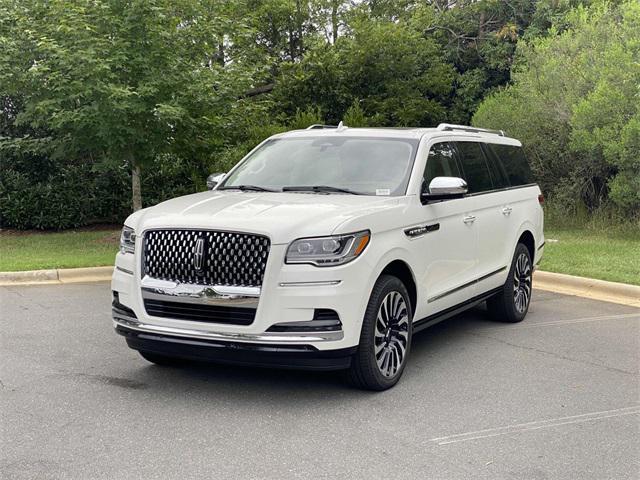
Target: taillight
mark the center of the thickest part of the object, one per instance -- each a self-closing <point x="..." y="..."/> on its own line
<point x="541" y="199"/>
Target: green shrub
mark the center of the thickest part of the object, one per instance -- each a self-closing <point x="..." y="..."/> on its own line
<point x="38" y="194"/>
<point x="574" y="104"/>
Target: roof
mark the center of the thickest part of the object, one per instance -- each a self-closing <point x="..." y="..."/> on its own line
<point x="460" y="131"/>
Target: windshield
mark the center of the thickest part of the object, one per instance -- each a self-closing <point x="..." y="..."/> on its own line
<point x="367" y="166"/>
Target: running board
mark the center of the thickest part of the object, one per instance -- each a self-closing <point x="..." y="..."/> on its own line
<point x="451" y="311"/>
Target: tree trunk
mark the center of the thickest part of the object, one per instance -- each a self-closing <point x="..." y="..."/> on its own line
<point x="136" y="194"/>
<point x="220" y="55"/>
<point x="299" y="27"/>
<point x="334" y="20"/>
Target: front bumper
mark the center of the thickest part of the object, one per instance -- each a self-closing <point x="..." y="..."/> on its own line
<point x="238" y="353"/>
<point x="291" y="294"/>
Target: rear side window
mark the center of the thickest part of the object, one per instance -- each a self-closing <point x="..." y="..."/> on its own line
<point x="498" y="174"/>
<point x="514" y="162"/>
<point x="441" y="162"/>
<point x="474" y="164"/>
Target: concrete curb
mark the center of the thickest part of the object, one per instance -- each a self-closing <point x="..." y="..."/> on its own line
<point x="621" y="293"/>
<point x="61" y="275"/>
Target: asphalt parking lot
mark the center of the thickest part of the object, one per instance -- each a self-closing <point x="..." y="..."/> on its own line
<point x="557" y="396"/>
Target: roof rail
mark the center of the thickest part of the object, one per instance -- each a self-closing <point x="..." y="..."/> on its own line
<point x="448" y="126"/>
<point x="319" y="126"/>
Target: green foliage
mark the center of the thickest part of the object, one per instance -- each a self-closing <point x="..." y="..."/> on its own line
<point x="355" y="116"/>
<point x="91" y="89"/>
<point x="397" y="76"/>
<point x="121" y="82"/>
<point x="575" y="104"/>
<point x="38" y="193"/>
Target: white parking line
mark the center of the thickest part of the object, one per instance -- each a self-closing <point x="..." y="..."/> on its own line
<point x="524" y="427"/>
<point x="578" y="320"/>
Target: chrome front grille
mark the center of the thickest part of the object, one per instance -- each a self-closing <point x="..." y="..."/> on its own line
<point x="205" y="257"/>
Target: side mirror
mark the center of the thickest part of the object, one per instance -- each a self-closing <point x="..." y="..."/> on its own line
<point x="214" y="179"/>
<point x="444" y="188"/>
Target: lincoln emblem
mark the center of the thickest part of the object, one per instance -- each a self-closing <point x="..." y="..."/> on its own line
<point x="198" y="254"/>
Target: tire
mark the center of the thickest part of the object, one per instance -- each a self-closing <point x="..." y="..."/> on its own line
<point x="512" y="303"/>
<point x="385" y="340"/>
<point x="162" y="360"/>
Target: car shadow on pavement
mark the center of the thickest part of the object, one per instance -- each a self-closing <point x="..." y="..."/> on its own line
<point x="240" y="382"/>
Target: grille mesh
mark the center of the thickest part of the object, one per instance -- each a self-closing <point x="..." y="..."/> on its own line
<point x="235" y="259"/>
<point x="200" y="313"/>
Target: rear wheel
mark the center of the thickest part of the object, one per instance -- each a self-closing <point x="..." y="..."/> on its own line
<point x="512" y="303"/>
<point x="162" y="360"/>
<point x="385" y="340"/>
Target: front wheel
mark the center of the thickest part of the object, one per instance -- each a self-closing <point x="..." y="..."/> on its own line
<point x="385" y="340"/>
<point x="512" y="303"/>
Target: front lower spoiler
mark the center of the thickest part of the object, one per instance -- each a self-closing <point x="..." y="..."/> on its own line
<point x="304" y="357"/>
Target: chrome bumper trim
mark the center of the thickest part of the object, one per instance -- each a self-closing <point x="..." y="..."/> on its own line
<point x="271" y="338"/>
<point x="222" y="295"/>
<point x="124" y="270"/>
<point x="326" y="283"/>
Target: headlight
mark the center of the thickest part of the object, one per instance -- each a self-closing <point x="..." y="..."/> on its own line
<point x="128" y="240"/>
<point x="328" y="251"/>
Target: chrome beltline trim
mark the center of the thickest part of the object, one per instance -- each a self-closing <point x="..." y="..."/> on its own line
<point x="267" y="337"/>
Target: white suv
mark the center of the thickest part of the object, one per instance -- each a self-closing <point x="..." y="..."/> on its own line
<point x="327" y="248"/>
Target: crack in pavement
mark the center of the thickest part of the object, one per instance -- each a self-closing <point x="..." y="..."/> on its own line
<point x="556" y="355"/>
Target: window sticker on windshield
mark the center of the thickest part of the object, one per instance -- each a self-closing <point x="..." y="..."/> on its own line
<point x="383" y="191"/>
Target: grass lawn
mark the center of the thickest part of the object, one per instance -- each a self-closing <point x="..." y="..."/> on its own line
<point x="613" y="255"/>
<point x="41" y="250"/>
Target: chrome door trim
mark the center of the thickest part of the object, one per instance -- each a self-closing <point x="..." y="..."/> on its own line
<point x="465" y="285"/>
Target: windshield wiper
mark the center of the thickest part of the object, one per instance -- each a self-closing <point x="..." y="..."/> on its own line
<point x="319" y="188"/>
<point x="248" y="188"/>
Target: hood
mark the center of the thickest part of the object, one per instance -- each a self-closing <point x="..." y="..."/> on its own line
<point x="281" y="216"/>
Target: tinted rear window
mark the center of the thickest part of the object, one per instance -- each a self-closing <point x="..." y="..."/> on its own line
<point x="498" y="173"/>
<point x="514" y="163"/>
<point x="474" y="164"/>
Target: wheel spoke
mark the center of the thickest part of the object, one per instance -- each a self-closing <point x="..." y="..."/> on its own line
<point x="381" y="320"/>
<point x="396" y="363"/>
<point x="393" y="302"/>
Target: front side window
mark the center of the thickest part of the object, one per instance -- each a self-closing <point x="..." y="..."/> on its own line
<point x="368" y="166"/>
<point x="474" y="165"/>
<point x="441" y="162"/>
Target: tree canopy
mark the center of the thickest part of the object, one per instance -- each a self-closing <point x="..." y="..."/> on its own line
<point x="575" y="104"/>
<point x="107" y="105"/>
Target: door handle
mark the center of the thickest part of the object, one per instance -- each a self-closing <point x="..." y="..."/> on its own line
<point x="469" y="219"/>
<point x="507" y="210"/>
